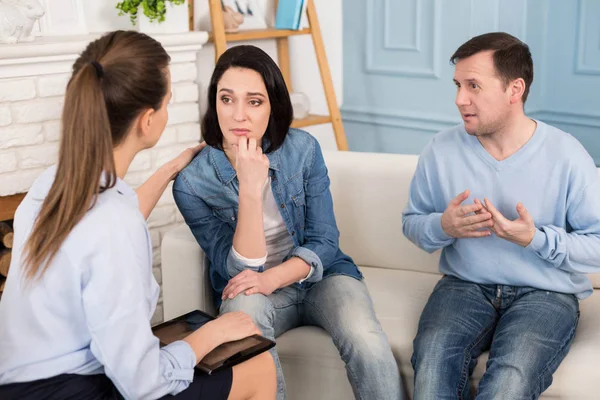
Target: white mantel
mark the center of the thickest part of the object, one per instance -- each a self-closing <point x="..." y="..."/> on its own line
<point x="33" y="79"/>
<point x="54" y="55"/>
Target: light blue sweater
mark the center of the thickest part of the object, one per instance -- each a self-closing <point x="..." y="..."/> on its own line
<point x="555" y="179"/>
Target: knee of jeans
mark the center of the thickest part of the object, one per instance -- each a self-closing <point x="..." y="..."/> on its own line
<point x="430" y="367"/>
<point x="257" y="306"/>
<point x="511" y="382"/>
<point x="429" y="350"/>
<point x="364" y="341"/>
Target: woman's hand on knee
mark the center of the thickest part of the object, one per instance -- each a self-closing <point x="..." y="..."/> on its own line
<point x="234" y="326"/>
<point x="249" y="282"/>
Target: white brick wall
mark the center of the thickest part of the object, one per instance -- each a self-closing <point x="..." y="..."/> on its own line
<point x="53" y="85"/>
<point x="136" y="178"/>
<point x="36" y="110"/>
<point x="52" y="131"/>
<point x="183" y="72"/>
<point x="181" y="113"/>
<point x="141" y="162"/>
<point x="8" y="161"/>
<point x="20" y="135"/>
<point x="188" y="133"/>
<point x="38" y="156"/>
<point x="182" y="92"/>
<point x="168" y="137"/>
<point x="17" y="89"/>
<point x="30" y="111"/>
<point x="5" y="118"/>
<point x="19" y="181"/>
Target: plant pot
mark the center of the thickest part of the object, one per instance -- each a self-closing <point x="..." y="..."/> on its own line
<point x="176" y="20"/>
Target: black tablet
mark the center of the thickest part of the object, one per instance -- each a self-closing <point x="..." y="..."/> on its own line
<point x="224" y="356"/>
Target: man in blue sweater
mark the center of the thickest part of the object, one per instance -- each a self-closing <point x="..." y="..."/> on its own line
<point x="514" y="204"/>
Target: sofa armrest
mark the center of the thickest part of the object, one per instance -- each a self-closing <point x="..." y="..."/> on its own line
<point x="185" y="282"/>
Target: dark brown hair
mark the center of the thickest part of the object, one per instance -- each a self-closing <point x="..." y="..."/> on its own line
<point x="512" y="58"/>
<point x="251" y="57"/>
<point x="114" y="80"/>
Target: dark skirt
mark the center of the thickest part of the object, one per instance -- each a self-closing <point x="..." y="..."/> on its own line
<point x="99" y="387"/>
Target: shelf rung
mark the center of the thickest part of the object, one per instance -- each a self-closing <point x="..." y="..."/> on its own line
<point x="311" y="120"/>
<point x="259" y="34"/>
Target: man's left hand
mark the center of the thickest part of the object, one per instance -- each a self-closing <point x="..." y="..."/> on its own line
<point x="520" y="231"/>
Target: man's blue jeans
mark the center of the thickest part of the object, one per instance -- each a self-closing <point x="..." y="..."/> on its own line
<point x="342" y="306"/>
<point x="527" y="331"/>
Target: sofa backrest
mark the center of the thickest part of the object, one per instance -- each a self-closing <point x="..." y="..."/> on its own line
<point x="370" y="191"/>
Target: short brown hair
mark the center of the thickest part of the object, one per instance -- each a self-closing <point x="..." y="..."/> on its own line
<point x="512" y="58"/>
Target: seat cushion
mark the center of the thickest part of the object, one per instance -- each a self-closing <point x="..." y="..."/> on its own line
<point x="399" y="298"/>
<point x="312" y="366"/>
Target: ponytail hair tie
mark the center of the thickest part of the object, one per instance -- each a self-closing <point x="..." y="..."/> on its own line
<point x="99" y="69"/>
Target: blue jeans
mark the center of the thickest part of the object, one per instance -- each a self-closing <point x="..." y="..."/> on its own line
<point x="342" y="306"/>
<point x="527" y="331"/>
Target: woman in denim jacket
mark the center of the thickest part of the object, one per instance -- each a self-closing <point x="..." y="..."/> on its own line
<point x="257" y="200"/>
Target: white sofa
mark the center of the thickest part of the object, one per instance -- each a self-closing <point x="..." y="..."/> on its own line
<point x="369" y="192"/>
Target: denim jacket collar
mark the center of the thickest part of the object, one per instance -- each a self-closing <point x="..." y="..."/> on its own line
<point x="225" y="170"/>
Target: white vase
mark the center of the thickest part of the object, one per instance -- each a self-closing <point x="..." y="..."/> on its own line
<point x="300" y="105"/>
<point x="176" y="20"/>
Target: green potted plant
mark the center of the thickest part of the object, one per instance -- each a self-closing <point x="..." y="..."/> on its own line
<point x="157" y="16"/>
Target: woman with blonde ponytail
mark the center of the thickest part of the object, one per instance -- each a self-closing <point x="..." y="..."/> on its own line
<point x="75" y="314"/>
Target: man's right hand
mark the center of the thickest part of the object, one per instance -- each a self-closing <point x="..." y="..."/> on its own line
<point x="460" y="221"/>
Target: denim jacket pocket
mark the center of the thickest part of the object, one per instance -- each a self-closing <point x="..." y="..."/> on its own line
<point x="227" y="214"/>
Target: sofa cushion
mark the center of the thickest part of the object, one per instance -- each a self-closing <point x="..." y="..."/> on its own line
<point x="399" y="298"/>
<point x="370" y="220"/>
<point x="307" y="354"/>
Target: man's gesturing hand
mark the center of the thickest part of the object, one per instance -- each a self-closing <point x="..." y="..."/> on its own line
<point x="520" y="231"/>
<point x="469" y="221"/>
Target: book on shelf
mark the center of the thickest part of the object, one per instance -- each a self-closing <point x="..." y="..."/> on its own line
<point x="289" y="14"/>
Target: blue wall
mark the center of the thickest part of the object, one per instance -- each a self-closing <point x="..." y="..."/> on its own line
<point x="398" y="89"/>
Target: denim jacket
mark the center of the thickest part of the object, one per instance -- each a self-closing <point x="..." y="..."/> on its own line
<point x="207" y="190"/>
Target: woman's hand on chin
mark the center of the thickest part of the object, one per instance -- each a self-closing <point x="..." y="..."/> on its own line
<point x="251" y="165"/>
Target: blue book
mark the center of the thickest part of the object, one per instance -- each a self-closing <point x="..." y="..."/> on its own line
<point x="289" y="13"/>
